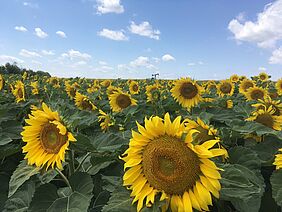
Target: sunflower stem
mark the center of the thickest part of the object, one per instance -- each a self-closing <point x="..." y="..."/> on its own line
<point x="71" y="163"/>
<point x="64" y="177"/>
<point x="82" y="161"/>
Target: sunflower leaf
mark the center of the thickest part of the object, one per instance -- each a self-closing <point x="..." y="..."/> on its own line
<point x="276" y="182"/>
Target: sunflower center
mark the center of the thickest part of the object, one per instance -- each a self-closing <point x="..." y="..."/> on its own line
<point x="225" y="88"/>
<point x="247" y="85"/>
<point x="72" y="92"/>
<point x="86" y="105"/>
<point x="170" y="165"/>
<point x="257" y="94"/>
<point x="51" y="139"/>
<point x="135" y="88"/>
<point x="123" y="101"/>
<point x="188" y="90"/>
<point x="262" y="77"/>
<point x="265" y="119"/>
<point x="20" y="92"/>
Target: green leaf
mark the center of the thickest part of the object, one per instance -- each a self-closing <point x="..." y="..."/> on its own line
<point x="20" y="175"/>
<point x="100" y="162"/>
<point x="20" y="200"/>
<point x="276" y="182"/>
<point x="4" y="139"/>
<point x="243" y="187"/>
<point x="9" y="149"/>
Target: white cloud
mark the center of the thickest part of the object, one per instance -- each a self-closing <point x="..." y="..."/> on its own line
<point x="40" y="33"/>
<point x="31" y="5"/>
<point x="142" y="61"/>
<point x="48" y="52"/>
<point x="241" y="17"/>
<point x="113" y="35"/>
<point x="265" y="31"/>
<point x="9" y="59"/>
<point x="61" y="34"/>
<point x="167" y="57"/>
<point x="144" y="29"/>
<point x="156" y="59"/>
<point x="262" y="68"/>
<point x="74" y="54"/>
<point x="276" y="57"/>
<point x="21" y="28"/>
<point x="102" y="63"/>
<point x="109" y="6"/>
<point x="26" y="53"/>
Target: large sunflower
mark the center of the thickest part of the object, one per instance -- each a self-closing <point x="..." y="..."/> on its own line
<point x="160" y="160"/>
<point x="47" y="139"/>
<point x="278" y="160"/>
<point x="2" y="82"/>
<point x="275" y="104"/>
<point x="266" y="117"/>
<point x="225" y="87"/>
<point x="19" y="91"/>
<point x="278" y="86"/>
<point x="256" y="93"/>
<point x="83" y="102"/>
<point x="120" y="101"/>
<point x="245" y="85"/>
<point x="134" y="87"/>
<point x="187" y="92"/>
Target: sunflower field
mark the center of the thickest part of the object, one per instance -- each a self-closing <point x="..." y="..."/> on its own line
<point x="140" y="145"/>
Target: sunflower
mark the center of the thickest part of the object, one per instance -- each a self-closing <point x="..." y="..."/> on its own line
<point x="83" y="102"/>
<point x="106" y="83"/>
<point x="34" y="86"/>
<point x="71" y="91"/>
<point x="2" y="82"/>
<point x="54" y="81"/>
<point x="267" y="102"/>
<point x="46" y="138"/>
<point x="256" y="93"/>
<point x="113" y="89"/>
<point x="24" y="76"/>
<point x="263" y="76"/>
<point x="278" y="160"/>
<point x="229" y="104"/>
<point x="211" y="85"/>
<point x="160" y="160"/>
<point x="266" y="117"/>
<point x="245" y="85"/>
<point x="153" y="93"/>
<point x="134" y="87"/>
<point x="278" y="86"/>
<point x="234" y="78"/>
<point x="105" y="120"/>
<point x="187" y="92"/>
<point x="225" y="87"/>
<point x="120" y="101"/>
<point x="19" y="91"/>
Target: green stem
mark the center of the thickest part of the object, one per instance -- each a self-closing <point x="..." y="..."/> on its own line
<point x="71" y="163"/>
<point x="64" y="177"/>
<point x="82" y="161"/>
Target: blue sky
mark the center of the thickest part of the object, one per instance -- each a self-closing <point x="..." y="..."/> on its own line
<point x="133" y="38"/>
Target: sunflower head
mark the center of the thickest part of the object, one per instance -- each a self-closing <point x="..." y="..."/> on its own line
<point x="245" y="85"/>
<point x="225" y="87"/>
<point x="278" y="160"/>
<point x="134" y="87"/>
<point x="234" y="78"/>
<point x="150" y="90"/>
<point x="34" y="86"/>
<point x="2" y="82"/>
<point x="19" y="91"/>
<point x="278" y="86"/>
<point x="71" y="91"/>
<point x="256" y="93"/>
<point x="105" y="120"/>
<point x="263" y="76"/>
<point x="113" y="89"/>
<point x="120" y="100"/>
<point x="106" y="83"/>
<point x="268" y="102"/>
<point x="187" y="92"/>
<point x="83" y="102"/>
<point x="46" y="138"/>
<point x="161" y="160"/>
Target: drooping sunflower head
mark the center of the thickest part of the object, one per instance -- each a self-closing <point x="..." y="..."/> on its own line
<point x="278" y="160"/>
<point x="225" y="87"/>
<point x="234" y="78"/>
<point x="278" y="86"/>
<point x="187" y="92"/>
<point x="120" y="100"/>
<point x="2" y="82"/>
<point x="19" y="91"/>
<point x="263" y="76"/>
<point x="134" y="87"/>
<point x="245" y="85"/>
<point x="256" y="93"/>
<point x="71" y="91"/>
<point x="265" y="116"/>
<point x="83" y="102"/>
<point x="268" y="102"/>
<point x="160" y="160"/>
<point x="46" y="138"/>
<point x="106" y="83"/>
<point x="105" y="120"/>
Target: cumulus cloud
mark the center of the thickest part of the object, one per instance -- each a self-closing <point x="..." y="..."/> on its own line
<point x="40" y="33"/>
<point x="167" y="57"/>
<point x="61" y="34"/>
<point x="9" y="59"/>
<point x="26" y="53"/>
<point x="276" y="57"/>
<point x="113" y="35"/>
<point x="144" y="29"/>
<point x="109" y="6"/>
<point x="48" y="52"/>
<point x="266" y="31"/>
<point x="21" y="28"/>
<point x="74" y="54"/>
<point x="142" y="61"/>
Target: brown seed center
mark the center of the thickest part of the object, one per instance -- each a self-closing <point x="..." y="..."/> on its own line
<point x="257" y="94"/>
<point x="188" y="90"/>
<point x="265" y="119"/>
<point x="225" y="88"/>
<point x="123" y="101"/>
